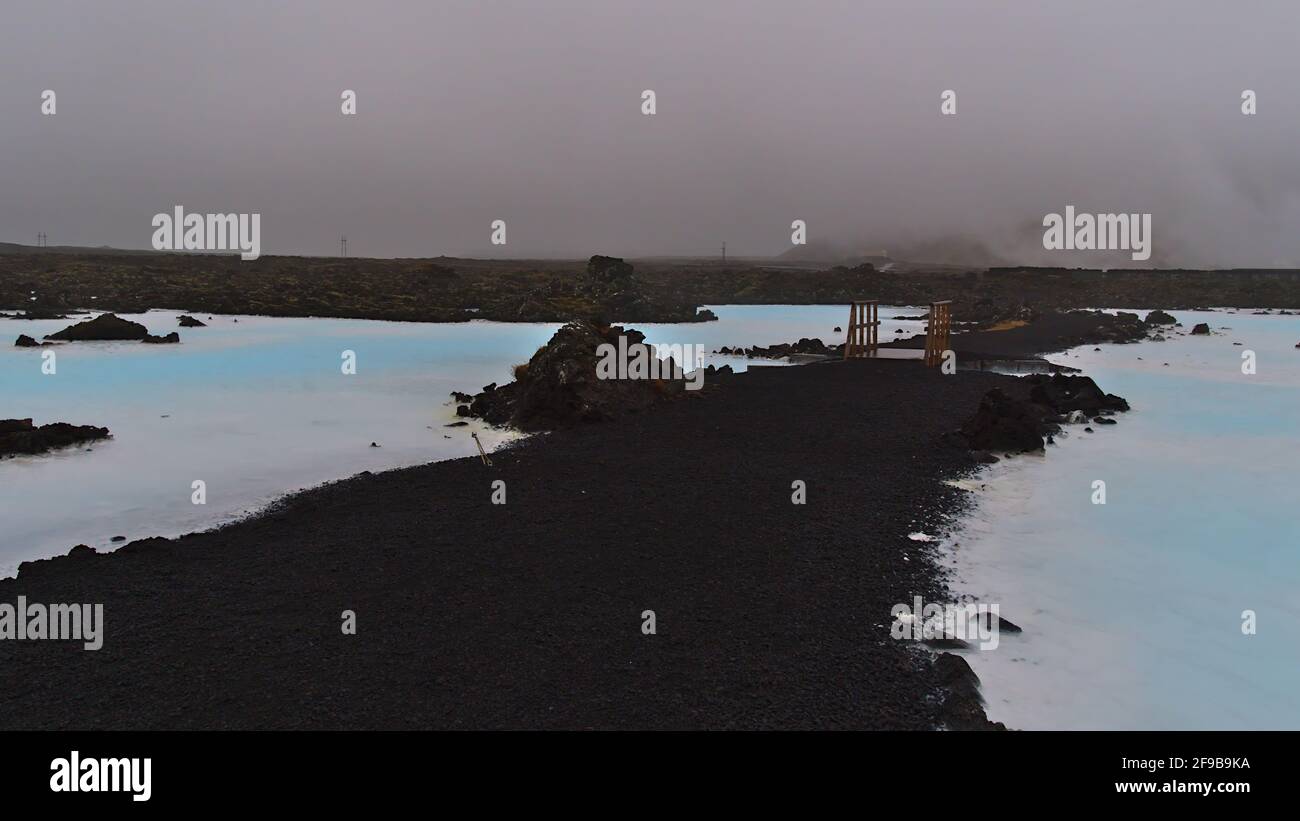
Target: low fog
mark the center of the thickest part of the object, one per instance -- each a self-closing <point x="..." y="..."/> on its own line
<point x="766" y="112"/>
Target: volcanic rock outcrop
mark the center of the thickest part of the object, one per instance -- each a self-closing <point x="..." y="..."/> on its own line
<point x="805" y="345"/>
<point x="1012" y="425"/>
<point x="102" y="327"/>
<point x="559" y="386"/>
<point x="20" y="436"/>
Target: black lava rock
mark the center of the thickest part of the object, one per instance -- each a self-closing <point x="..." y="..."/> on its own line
<point x="102" y="327"/>
<point x="20" y="436"/>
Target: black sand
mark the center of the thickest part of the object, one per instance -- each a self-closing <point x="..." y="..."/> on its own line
<point x="528" y="614"/>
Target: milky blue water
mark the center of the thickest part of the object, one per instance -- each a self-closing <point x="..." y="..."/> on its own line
<point x="256" y="407"/>
<point x="1132" y="610"/>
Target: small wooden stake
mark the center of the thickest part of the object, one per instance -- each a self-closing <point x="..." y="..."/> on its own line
<point x="481" y="452"/>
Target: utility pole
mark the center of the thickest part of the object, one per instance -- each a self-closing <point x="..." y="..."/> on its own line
<point x="344" y="242"/>
<point x="724" y="251"/>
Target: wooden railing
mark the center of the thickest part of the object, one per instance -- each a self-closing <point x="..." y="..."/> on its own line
<point x="937" y="333"/>
<point x="863" y="330"/>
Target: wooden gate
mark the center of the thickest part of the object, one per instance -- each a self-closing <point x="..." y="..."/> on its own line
<point x="864" y="329"/>
<point x="936" y="334"/>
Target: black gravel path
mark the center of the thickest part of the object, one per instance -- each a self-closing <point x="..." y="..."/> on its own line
<point x="528" y="614"/>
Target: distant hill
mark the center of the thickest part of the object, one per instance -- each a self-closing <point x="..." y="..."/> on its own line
<point x="15" y="248"/>
<point x="834" y="253"/>
<point x="942" y="251"/>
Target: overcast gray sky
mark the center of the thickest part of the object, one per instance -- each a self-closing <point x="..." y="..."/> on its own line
<point x="768" y="111"/>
